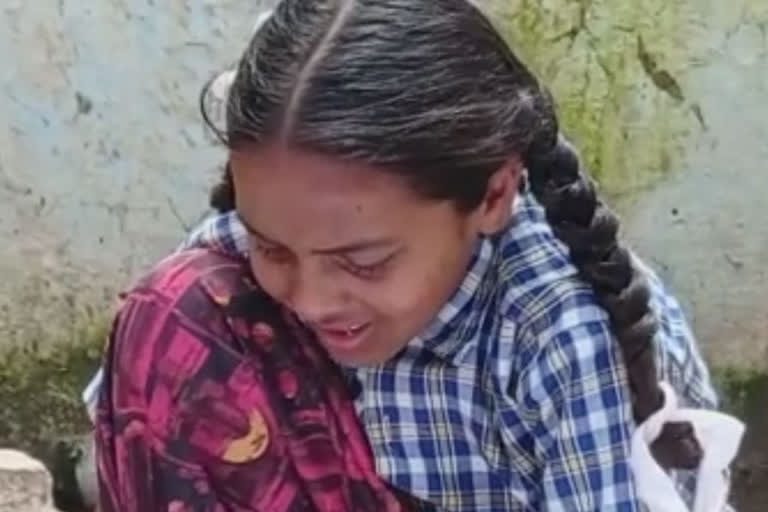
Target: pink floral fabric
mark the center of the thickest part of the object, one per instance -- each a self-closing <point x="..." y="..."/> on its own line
<point x="215" y="399"/>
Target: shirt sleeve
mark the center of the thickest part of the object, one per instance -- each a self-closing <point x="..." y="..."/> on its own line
<point x="677" y="352"/>
<point x="221" y="232"/>
<point x="681" y="364"/>
<point x="573" y="408"/>
<point x="139" y="468"/>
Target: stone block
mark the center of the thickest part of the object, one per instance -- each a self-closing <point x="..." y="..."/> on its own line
<point x="25" y="484"/>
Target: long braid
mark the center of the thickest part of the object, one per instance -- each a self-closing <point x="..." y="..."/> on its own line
<point x="590" y="230"/>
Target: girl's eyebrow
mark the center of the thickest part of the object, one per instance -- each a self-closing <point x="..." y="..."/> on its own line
<point x="361" y="245"/>
<point x="253" y="231"/>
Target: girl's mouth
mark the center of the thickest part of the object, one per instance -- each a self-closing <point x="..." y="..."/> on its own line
<point x="343" y="339"/>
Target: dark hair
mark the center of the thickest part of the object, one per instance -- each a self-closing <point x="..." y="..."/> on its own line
<point x="222" y="198"/>
<point x="429" y="90"/>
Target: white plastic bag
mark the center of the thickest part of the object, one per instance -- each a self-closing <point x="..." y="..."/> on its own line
<point x="719" y="435"/>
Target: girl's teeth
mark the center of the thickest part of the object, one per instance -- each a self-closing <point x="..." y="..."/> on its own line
<point x="353" y="329"/>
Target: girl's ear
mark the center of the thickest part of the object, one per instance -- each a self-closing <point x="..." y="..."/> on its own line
<point x="495" y="212"/>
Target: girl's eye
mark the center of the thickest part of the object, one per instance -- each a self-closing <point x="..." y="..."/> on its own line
<point x="368" y="271"/>
<point x="274" y="254"/>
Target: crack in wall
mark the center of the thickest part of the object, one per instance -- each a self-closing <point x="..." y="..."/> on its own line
<point x="661" y="78"/>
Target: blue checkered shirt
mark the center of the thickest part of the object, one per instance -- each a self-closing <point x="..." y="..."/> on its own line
<point x="515" y="397"/>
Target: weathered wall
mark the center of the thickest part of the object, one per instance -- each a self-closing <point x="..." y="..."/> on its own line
<point x="103" y="162"/>
<point x="103" y="159"/>
<point x="669" y="101"/>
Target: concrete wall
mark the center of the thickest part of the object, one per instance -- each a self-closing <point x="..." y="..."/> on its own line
<point x="103" y="162"/>
<point x="103" y="159"/>
<point x="669" y="101"/>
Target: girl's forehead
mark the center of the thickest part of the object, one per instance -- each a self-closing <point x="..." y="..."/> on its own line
<point x="297" y="198"/>
<point x="273" y="168"/>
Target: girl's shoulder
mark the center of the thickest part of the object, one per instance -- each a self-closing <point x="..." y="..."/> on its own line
<point x="206" y="270"/>
<point x="542" y="297"/>
<point x="533" y="272"/>
<point x="204" y="302"/>
<point x="173" y="325"/>
<point x="540" y="290"/>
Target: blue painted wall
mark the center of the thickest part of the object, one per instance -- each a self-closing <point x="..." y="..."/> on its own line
<point x="104" y="161"/>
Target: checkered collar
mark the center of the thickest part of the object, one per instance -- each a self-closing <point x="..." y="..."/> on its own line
<point x="444" y="336"/>
<point x="448" y="333"/>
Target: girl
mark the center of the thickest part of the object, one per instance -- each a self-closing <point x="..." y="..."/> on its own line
<point x="399" y="186"/>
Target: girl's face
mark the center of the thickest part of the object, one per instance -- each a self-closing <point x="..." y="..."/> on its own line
<point x="361" y="258"/>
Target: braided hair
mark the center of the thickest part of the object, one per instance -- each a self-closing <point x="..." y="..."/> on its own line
<point x="429" y="90"/>
<point x="589" y="229"/>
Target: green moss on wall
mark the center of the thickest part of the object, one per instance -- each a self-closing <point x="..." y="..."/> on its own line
<point x="743" y="392"/>
<point x="40" y="388"/>
<point x="615" y="70"/>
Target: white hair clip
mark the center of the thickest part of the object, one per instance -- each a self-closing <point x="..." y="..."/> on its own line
<point x="218" y="92"/>
<point x="263" y="17"/>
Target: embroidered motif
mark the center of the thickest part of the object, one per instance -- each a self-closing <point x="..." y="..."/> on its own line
<point x="252" y="445"/>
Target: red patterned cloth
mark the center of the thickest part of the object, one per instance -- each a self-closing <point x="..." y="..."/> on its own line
<point x="215" y="399"/>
